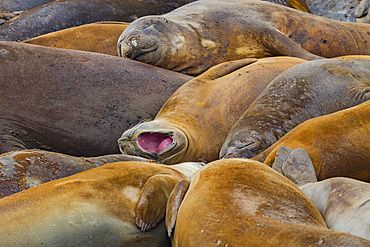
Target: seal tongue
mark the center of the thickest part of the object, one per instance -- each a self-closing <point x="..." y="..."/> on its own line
<point x="154" y="143"/>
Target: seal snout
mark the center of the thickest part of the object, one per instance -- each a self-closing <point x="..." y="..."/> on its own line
<point x="134" y="46"/>
<point x="155" y="143"/>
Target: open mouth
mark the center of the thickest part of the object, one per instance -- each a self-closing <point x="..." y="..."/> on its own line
<point x="154" y="143"/>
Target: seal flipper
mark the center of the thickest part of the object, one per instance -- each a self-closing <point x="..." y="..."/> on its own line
<point x="299" y="168"/>
<point x="225" y="68"/>
<point x="282" y="155"/>
<point x="277" y="44"/>
<point x="151" y="205"/>
<point x="174" y="202"/>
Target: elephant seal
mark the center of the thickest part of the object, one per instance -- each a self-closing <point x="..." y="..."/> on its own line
<point x="300" y="93"/>
<point x="338" y="143"/>
<point x="104" y="206"/>
<point x="344" y="204"/>
<point x="196" y="36"/>
<point x="75" y="102"/>
<point x="21" y="5"/>
<point x="21" y="170"/>
<point x="195" y="120"/>
<point x="62" y="14"/>
<point x="241" y="202"/>
<point x="98" y="37"/>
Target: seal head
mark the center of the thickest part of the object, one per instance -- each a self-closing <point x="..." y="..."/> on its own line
<point x="155" y="140"/>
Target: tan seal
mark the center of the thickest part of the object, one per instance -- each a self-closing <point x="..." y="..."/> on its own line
<point x="194" y="122"/>
<point x="305" y="91"/>
<point x="98" y="37"/>
<point x="240" y="202"/>
<point x="21" y="170"/>
<point x="112" y="205"/>
<point x="201" y="34"/>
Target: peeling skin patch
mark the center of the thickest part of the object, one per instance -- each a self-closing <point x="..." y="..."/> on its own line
<point x="208" y="43"/>
<point x="4" y="52"/>
<point x="132" y="193"/>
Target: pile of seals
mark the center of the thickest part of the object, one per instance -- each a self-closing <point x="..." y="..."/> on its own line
<point x="242" y="123"/>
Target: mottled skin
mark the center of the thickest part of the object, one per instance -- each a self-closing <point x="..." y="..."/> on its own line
<point x="196" y="36"/>
<point x="338" y="143"/>
<point x="362" y="12"/>
<point x="75" y="102"/>
<point x="100" y="207"/>
<point x="306" y="91"/>
<point x="21" y="170"/>
<point x="200" y="113"/>
<point x="63" y="14"/>
<point x="240" y="202"/>
<point x="98" y="37"/>
<point x="21" y="5"/>
<point x="344" y="204"/>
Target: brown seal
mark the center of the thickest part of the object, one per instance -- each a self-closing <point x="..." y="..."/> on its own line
<point x="300" y="93"/>
<point x="199" y="35"/>
<point x="98" y="37"/>
<point x="338" y="143"/>
<point x="241" y="202"/>
<point x="20" y="170"/>
<point x="75" y="102"/>
<point x="63" y="14"/>
<point x="104" y="206"/>
<point x="194" y="122"/>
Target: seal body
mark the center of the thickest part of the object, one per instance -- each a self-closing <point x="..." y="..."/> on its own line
<point x="195" y="120"/>
<point x="336" y="143"/>
<point x="240" y="202"/>
<point x="98" y="207"/>
<point x="196" y="36"/>
<point x="344" y="204"/>
<point x="98" y="37"/>
<point x="300" y="93"/>
<point x="63" y="14"/>
<point x="21" y="5"/>
<point x="20" y="170"/>
<point x="75" y="102"/>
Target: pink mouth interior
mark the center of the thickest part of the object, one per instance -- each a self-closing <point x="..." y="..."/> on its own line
<point x="154" y="143"/>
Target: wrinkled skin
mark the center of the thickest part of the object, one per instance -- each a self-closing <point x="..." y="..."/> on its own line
<point x="117" y="204"/>
<point x="199" y="35"/>
<point x="100" y="37"/>
<point x="194" y="122"/>
<point x="336" y="143"/>
<point x="63" y="14"/>
<point x="306" y="91"/>
<point x="240" y="202"/>
<point x="21" y="170"/>
<point x="75" y="102"/>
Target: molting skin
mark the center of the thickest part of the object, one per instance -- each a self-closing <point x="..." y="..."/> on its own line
<point x="300" y="93"/>
<point x="199" y="35"/>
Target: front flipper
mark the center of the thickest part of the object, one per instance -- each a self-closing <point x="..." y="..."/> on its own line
<point x="278" y="44"/>
<point x="174" y="202"/>
<point x="362" y="12"/>
<point x="225" y="68"/>
<point x="152" y="201"/>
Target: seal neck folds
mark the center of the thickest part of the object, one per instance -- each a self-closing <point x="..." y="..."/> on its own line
<point x="154" y="140"/>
